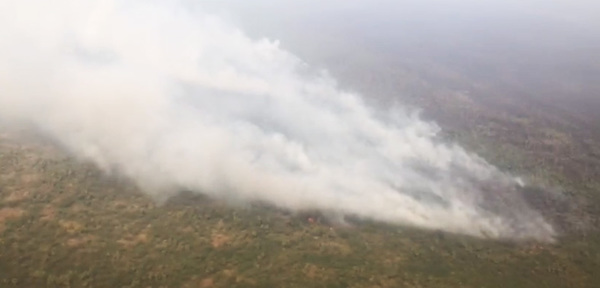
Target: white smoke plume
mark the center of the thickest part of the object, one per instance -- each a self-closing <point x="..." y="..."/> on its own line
<point x="178" y="100"/>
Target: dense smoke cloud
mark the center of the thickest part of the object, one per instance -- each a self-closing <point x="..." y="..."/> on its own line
<point x="183" y="100"/>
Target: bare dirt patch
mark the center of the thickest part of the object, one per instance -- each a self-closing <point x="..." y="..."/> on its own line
<point x="48" y="213"/>
<point x="8" y="214"/>
<point x="17" y="196"/>
<point x="79" y="241"/>
<point x="311" y="271"/>
<point x="71" y="227"/>
<point x="134" y="240"/>
<point x="218" y="240"/>
<point x="206" y="283"/>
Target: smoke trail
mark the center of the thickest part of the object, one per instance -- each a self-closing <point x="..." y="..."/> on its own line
<point x="179" y="100"/>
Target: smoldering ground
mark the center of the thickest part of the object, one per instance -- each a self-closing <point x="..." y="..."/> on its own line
<point x="180" y="100"/>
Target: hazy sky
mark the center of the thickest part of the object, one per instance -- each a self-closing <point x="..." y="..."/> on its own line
<point x="430" y="28"/>
<point x="548" y="51"/>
